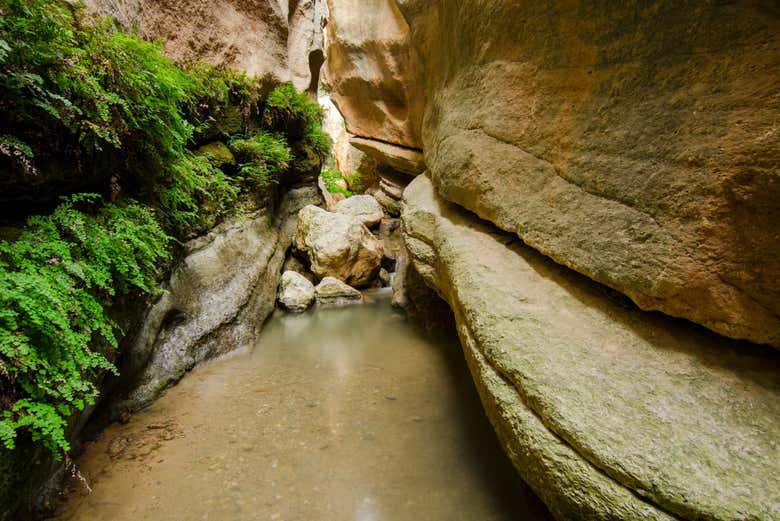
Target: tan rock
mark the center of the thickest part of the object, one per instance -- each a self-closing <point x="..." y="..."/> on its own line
<point x="296" y="292"/>
<point x="406" y="160"/>
<point x="333" y="292"/>
<point x="372" y="70"/>
<point x="362" y="207"/>
<point x="338" y="246"/>
<point x="258" y="37"/>
<point x="638" y="146"/>
<point x="606" y="411"/>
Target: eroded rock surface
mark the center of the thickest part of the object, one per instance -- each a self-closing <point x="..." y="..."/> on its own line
<point x="607" y="412"/>
<point x="637" y="145"/>
<point x="372" y="70"/>
<point x="215" y="301"/>
<point x="296" y="292"/>
<point x="363" y="208"/>
<point x="338" y="246"/>
<point x="259" y="37"/>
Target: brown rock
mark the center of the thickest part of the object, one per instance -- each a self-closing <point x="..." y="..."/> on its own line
<point x="372" y="70"/>
<point x="638" y="146"/>
<point x="338" y="246"/>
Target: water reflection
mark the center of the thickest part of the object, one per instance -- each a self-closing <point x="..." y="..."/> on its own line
<point x="346" y="413"/>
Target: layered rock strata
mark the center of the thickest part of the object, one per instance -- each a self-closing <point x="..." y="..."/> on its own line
<point x="606" y="411"/>
<point x="637" y="145"/>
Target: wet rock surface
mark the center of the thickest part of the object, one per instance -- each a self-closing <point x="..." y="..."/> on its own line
<point x="607" y="412"/>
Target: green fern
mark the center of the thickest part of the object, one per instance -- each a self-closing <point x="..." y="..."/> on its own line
<point x="55" y="282"/>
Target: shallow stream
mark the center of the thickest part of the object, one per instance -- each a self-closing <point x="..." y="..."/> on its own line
<point x="336" y="414"/>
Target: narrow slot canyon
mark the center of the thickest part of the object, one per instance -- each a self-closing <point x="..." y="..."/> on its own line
<point x="383" y="260"/>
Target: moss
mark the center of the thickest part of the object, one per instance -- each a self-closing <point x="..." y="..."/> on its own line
<point x="334" y="183"/>
<point x="218" y="154"/>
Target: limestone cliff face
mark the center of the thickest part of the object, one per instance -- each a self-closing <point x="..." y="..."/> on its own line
<point x="276" y="37"/>
<point x="637" y="145"/>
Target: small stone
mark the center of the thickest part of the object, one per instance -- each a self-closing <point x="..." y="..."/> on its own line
<point x="385" y="278"/>
<point x="296" y="293"/>
<point x="333" y="292"/>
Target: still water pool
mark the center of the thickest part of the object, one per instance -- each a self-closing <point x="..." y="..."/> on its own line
<point x="337" y="414"/>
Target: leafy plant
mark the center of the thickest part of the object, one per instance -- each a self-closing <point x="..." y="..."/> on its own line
<point x="332" y="179"/>
<point x="319" y="140"/>
<point x="263" y="157"/>
<point x="194" y="196"/>
<point x="55" y="282"/>
<point x="291" y="111"/>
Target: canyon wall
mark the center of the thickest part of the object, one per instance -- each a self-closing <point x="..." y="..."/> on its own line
<point x="637" y="145"/>
<point x="574" y="147"/>
<point x="281" y="38"/>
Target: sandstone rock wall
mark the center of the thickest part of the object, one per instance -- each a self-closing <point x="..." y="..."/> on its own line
<point x="372" y="71"/>
<point x="276" y="37"/>
<point x="636" y="143"/>
<point x="607" y="412"/>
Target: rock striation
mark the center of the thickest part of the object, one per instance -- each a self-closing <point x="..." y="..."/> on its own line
<point x="606" y="411"/>
<point x="637" y="145"/>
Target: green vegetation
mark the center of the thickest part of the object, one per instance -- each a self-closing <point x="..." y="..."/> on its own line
<point x="263" y="157"/>
<point x="355" y="182"/>
<point x="54" y="283"/>
<point x="77" y="94"/>
<point x="291" y="111"/>
<point x="332" y="179"/>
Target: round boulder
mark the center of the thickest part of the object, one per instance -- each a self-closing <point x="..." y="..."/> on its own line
<point x="338" y="245"/>
<point x="362" y="207"/>
<point x="296" y="292"/>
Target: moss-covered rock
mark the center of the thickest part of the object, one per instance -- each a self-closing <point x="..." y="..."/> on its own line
<point x="219" y="155"/>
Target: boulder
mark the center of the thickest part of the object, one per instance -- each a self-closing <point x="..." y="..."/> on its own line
<point x="338" y="246"/>
<point x="364" y="208"/>
<point x="608" y="412"/>
<point x="332" y="292"/>
<point x="296" y="293"/>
